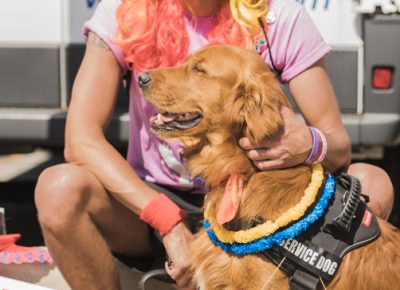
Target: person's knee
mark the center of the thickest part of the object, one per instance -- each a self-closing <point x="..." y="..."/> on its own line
<point x="377" y="185"/>
<point x="60" y="195"/>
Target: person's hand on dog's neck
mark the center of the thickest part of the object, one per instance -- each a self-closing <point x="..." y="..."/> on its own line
<point x="202" y="8"/>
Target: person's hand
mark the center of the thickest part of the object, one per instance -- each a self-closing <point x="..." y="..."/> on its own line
<point x="288" y="148"/>
<point x="176" y="243"/>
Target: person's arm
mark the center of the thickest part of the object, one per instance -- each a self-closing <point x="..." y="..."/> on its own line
<point x="315" y="98"/>
<point x="92" y="105"/>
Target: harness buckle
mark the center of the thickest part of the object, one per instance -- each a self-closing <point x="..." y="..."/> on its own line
<point x="303" y="281"/>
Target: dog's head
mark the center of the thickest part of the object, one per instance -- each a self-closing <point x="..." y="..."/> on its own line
<point x="218" y="86"/>
<point x="220" y="94"/>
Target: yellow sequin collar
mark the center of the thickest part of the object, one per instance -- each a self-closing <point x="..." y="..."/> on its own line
<point x="269" y="227"/>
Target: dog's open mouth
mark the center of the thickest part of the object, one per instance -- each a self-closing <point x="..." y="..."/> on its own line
<point x="167" y="121"/>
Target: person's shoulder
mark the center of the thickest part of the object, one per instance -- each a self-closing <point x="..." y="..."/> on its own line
<point x="285" y="8"/>
<point x="108" y="5"/>
<point x="113" y="2"/>
<point x="281" y="5"/>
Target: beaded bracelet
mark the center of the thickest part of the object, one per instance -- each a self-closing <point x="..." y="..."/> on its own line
<point x="315" y="146"/>
<point x="162" y="214"/>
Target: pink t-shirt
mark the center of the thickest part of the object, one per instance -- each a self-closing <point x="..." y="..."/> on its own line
<point x="295" y="42"/>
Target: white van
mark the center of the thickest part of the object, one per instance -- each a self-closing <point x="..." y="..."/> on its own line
<point x="41" y="46"/>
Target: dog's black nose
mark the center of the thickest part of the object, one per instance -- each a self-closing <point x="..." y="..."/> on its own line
<point x="144" y="79"/>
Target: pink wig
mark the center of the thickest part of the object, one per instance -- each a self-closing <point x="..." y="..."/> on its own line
<point x="149" y="41"/>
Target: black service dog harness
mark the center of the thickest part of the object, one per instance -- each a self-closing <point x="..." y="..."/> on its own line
<point x="316" y="254"/>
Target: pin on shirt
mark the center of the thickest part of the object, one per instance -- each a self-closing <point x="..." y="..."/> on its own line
<point x="260" y="43"/>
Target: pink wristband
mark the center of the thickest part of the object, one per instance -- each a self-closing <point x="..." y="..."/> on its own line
<point x="324" y="149"/>
<point x="315" y="146"/>
<point x="162" y="214"/>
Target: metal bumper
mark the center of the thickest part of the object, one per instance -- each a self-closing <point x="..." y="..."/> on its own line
<point x="46" y="127"/>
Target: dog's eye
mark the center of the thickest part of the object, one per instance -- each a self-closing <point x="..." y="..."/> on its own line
<point x="196" y="68"/>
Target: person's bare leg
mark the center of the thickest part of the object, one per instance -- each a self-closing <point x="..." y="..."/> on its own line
<point x="375" y="183"/>
<point x="81" y="222"/>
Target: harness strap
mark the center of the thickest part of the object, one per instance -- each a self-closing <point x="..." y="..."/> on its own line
<point x="350" y="200"/>
<point x="318" y="252"/>
<point x="305" y="262"/>
<point x="303" y="281"/>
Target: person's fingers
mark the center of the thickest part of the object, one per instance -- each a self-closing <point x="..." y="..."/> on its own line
<point x="246" y="144"/>
<point x="256" y="155"/>
<point x="170" y="270"/>
<point x="183" y="277"/>
<point x="185" y="281"/>
<point x="270" y="164"/>
<point x="174" y="272"/>
<point x="267" y="143"/>
<point x="191" y="286"/>
<point x="265" y="154"/>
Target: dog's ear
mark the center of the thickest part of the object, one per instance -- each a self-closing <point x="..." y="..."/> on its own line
<point x="258" y="106"/>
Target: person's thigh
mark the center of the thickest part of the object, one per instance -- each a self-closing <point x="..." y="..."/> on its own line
<point x="66" y="191"/>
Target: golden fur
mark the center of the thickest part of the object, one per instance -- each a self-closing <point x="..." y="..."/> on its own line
<point x="237" y="95"/>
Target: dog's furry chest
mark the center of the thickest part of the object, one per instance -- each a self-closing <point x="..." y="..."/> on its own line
<point x="216" y="269"/>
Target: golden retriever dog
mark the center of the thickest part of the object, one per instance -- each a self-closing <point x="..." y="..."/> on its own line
<point x="218" y="95"/>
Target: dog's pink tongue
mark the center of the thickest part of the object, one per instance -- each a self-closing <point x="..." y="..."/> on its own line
<point x="160" y="119"/>
<point x="231" y="200"/>
<point x="165" y="119"/>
